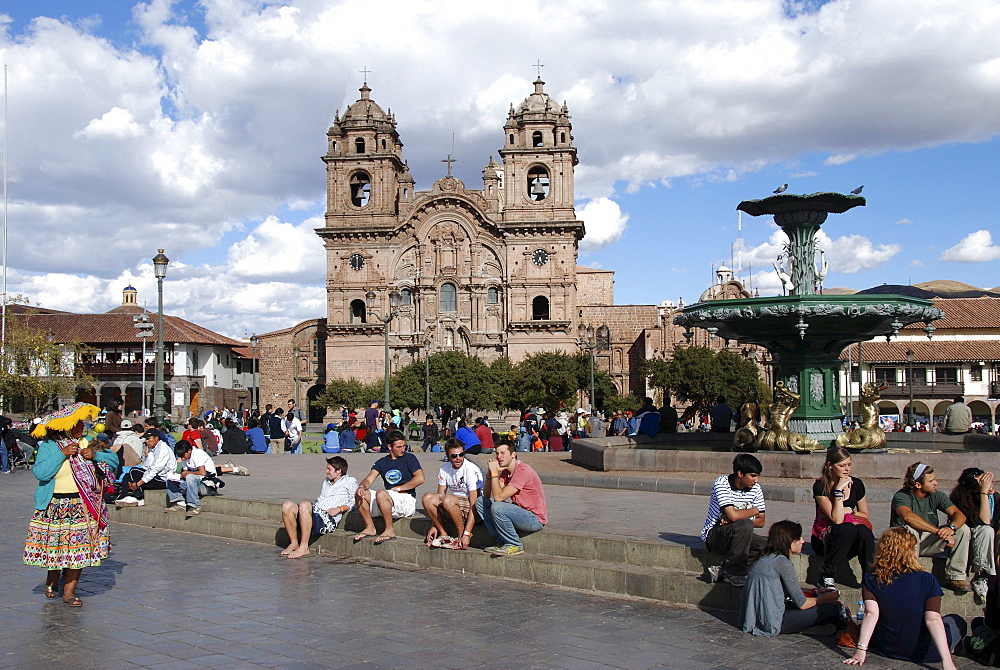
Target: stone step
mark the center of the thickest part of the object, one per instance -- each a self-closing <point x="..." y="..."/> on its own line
<point x="594" y="562"/>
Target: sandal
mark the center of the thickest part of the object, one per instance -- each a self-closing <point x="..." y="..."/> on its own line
<point x="51" y="591"/>
<point x="73" y="602"/>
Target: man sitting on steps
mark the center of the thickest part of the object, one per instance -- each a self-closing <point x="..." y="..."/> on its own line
<point x="735" y="508"/>
<point x="306" y="519"/>
<point x="459" y="482"/>
<point x="401" y="475"/>
<point x="513" y="500"/>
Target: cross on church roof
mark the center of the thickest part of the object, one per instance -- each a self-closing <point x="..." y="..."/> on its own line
<point x="449" y="160"/>
<point x="538" y="66"/>
<point x="365" y="72"/>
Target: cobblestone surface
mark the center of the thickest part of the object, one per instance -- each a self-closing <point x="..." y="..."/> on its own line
<point x="173" y="600"/>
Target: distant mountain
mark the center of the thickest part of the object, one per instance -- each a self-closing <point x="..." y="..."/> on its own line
<point x="939" y="288"/>
<point x="838" y="290"/>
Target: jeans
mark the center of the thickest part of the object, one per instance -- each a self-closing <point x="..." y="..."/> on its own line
<point x="188" y="488"/>
<point x="738" y="542"/>
<point x="4" y="457"/>
<point x="295" y="447"/>
<point x="504" y="519"/>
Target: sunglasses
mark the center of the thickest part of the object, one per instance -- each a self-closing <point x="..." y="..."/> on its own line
<point x="458" y="455"/>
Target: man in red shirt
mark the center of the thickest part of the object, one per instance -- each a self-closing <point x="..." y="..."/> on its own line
<point x="512" y="501"/>
<point x="485" y="435"/>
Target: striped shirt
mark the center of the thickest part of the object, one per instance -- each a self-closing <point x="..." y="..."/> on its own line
<point x="724" y="495"/>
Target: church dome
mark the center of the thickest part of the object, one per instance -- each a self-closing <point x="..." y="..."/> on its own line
<point x="364" y="113"/>
<point x="539" y="106"/>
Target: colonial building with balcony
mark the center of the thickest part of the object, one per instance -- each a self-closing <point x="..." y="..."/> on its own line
<point x="202" y="369"/>
<point x="959" y="357"/>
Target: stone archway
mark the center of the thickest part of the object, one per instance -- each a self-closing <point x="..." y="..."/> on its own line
<point x="939" y="409"/>
<point x="315" y="414"/>
<point x="921" y="413"/>
<point x="889" y="414"/>
<point x="981" y="412"/>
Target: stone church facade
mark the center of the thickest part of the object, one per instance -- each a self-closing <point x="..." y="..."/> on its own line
<point x="488" y="271"/>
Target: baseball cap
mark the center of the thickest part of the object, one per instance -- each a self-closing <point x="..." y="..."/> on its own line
<point x="126" y="423"/>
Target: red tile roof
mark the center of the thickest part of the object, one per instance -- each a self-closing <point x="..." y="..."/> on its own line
<point x="880" y="351"/>
<point x="966" y="313"/>
<point x="117" y="327"/>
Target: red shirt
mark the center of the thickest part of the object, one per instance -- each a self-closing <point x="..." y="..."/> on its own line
<point x="530" y="495"/>
<point x="485" y="436"/>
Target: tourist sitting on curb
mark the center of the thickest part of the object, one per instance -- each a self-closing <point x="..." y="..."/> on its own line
<point x="722" y="416"/>
<point x="459" y="483"/>
<point x="513" y="500"/>
<point x="468" y="437"/>
<point x="842" y="528"/>
<point x="401" y="475"/>
<point x="336" y="497"/>
<point x="524" y="440"/>
<point x="975" y="497"/>
<point x="649" y="418"/>
<point x="915" y="507"/>
<point x="903" y="608"/>
<point x="160" y="462"/>
<point x="772" y="582"/>
<point x="485" y="435"/>
<point x="184" y="485"/>
<point x="257" y="439"/>
<point x="735" y="508"/>
<point x="127" y="445"/>
<point x="348" y="441"/>
<point x="331" y="439"/>
<point x="431" y="434"/>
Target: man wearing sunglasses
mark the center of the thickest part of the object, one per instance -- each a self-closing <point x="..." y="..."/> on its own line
<point x="459" y="483"/>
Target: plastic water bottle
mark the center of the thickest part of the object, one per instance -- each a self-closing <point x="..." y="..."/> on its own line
<point x="861" y="610"/>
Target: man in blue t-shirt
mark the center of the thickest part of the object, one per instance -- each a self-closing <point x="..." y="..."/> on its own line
<point x="401" y="475"/>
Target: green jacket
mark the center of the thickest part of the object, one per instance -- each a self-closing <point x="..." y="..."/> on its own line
<point x="48" y="460"/>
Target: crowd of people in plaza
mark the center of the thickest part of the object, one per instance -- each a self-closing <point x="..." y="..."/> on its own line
<point x="901" y="601"/>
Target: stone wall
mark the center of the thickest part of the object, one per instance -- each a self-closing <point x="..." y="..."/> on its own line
<point x="595" y="287"/>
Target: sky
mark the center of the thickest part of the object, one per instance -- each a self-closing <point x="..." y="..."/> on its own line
<point x="197" y="126"/>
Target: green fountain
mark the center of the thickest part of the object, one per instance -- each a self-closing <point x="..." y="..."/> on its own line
<point x="805" y="331"/>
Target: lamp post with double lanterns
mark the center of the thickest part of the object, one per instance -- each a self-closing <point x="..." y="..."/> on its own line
<point x="427" y="372"/>
<point x="144" y="330"/>
<point x="254" y="342"/>
<point x="394" y="298"/>
<point x="910" y="357"/>
<point x="593" y="341"/>
<point x="159" y="399"/>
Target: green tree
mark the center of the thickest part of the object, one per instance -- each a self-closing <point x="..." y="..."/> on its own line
<point x="34" y="370"/>
<point x="628" y="402"/>
<point x="350" y="393"/>
<point x="502" y="389"/>
<point x="699" y="374"/>
<point x="552" y="378"/>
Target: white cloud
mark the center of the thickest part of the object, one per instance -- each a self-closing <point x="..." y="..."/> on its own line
<point x="975" y="247"/>
<point x="277" y="250"/>
<point x="840" y="159"/>
<point x="117" y="122"/>
<point x="916" y="263"/>
<point x="604" y="221"/>
<point x="846" y="255"/>
<point x="903" y="222"/>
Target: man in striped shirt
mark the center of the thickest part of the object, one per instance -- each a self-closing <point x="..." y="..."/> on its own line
<point x="735" y="508"/>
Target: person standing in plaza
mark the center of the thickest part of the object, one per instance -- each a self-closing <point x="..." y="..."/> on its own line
<point x="722" y="416"/>
<point x="372" y="424"/>
<point x="293" y="430"/>
<point x="915" y="507"/>
<point x="401" y="475"/>
<point x="957" y="418"/>
<point x="276" y="431"/>
<point x="69" y="528"/>
<point x="735" y="509"/>
<point x="513" y="501"/>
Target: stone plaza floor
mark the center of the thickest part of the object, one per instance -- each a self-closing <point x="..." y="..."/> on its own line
<point x="167" y="599"/>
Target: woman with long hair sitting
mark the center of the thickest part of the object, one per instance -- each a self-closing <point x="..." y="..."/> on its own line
<point x="975" y="497"/>
<point x="903" y="608"/>
<point x="842" y="529"/>
<point x="772" y="580"/>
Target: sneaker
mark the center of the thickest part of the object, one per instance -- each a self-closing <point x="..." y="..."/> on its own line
<point x="193" y="510"/>
<point x="735" y="580"/>
<point x="958" y="585"/>
<point x="241" y="470"/>
<point x="142" y="501"/>
<point x="491" y="549"/>
<point x="508" y="550"/>
<point x="229" y="464"/>
<point x="177" y="506"/>
<point x="979" y="590"/>
<point x="127" y="501"/>
<point x="827" y="583"/>
<point x="714" y="573"/>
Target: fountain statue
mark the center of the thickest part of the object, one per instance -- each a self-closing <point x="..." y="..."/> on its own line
<point x="869" y="435"/>
<point x="805" y="331"/>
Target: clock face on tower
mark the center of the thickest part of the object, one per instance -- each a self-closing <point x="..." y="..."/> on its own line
<point x="540" y="257"/>
<point x="357" y="261"/>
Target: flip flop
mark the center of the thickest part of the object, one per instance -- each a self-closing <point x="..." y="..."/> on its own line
<point x="360" y="536"/>
<point x="383" y="539"/>
<point x="73" y="602"/>
<point x="51" y="591"/>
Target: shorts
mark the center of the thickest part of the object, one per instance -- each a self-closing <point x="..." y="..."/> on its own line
<point x="463" y="504"/>
<point x="323" y="523"/>
<point x="403" y="505"/>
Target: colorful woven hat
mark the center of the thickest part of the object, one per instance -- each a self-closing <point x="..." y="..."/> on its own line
<point x="65" y="418"/>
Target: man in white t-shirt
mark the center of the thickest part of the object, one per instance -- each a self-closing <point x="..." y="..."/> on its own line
<point x="306" y="519"/>
<point x="459" y="483"/>
<point x="293" y="429"/>
<point x="184" y="484"/>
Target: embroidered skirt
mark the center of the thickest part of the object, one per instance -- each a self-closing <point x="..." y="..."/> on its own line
<point x="64" y="535"/>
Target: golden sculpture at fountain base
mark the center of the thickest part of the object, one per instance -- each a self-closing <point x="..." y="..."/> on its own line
<point x="869" y="435"/>
<point x="778" y="436"/>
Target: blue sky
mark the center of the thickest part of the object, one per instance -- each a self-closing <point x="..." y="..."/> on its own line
<point x="198" y="126"/>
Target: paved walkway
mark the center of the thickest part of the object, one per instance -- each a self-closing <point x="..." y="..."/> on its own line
<point x="175" y="600"/>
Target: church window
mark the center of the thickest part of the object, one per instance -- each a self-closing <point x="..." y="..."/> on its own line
<point x="359" y="145"/>
<point x="492" y="295"/>
<point x="449" y="298"/>
<point x="358" y="310"/>
<point x="540" y="308"/>
<point x="194" y="361"/>
<point x="538" y="183"/>
<point x="361" y="189"/>
<point x="536" y="138"/>
<point x="383" y="145"/>
<point x="405" y="297"/>
<point x="334" y="147"/>
<point x="511" y="139"/>
<point x="562" y="138"/>
<point x="315" y="343"/>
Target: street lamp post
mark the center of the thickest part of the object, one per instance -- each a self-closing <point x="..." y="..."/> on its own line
<point x="586" y="338"/>
<point x="159" y="400"/>
<point x="255" y="399"/>
<point x="394" y="298"/>
<point x="427" y="373"/>
<point x="144" y="330"/>
<point x="909" y="375"/>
